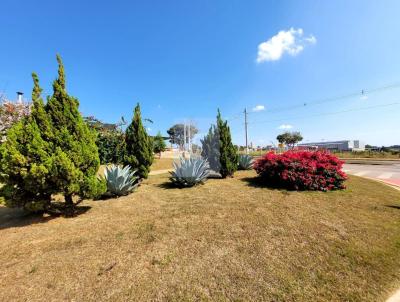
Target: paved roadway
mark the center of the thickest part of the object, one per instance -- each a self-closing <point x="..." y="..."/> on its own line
<point x="388" y="172"/>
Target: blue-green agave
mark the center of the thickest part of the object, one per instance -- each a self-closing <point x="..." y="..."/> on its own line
<point x="120" y="181"/>
<point x="190" y="171"/>
<point x="245" y="162"/>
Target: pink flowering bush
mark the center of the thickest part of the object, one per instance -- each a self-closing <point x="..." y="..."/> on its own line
<point x="10" y="114"/>
<point x="301" y="170"/>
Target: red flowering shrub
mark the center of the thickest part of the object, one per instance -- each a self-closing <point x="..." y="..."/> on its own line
<point x="301" y="170"/>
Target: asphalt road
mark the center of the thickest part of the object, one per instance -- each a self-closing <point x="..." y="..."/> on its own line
<point x="388" y="172"/>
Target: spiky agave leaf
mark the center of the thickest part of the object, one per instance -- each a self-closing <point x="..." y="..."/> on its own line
<point x="245" y="162"/>
<point x="189" y="172"/>
<point x="120" y="181"/>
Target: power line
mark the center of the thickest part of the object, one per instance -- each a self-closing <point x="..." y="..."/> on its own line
<point x="363" y="92"/>
<point x="327" y="113"/>
<point x="235" y="117"/>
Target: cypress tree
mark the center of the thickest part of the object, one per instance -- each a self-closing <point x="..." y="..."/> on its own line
<point x="26" y="158"/>
<point x="75" y="159"/>
<point x="228" y="154"/>
<point x="38" y="112"/>
<point x="139" y="149"/>
<point x="210" y="148"/>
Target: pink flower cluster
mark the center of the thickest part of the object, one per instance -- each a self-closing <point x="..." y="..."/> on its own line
<point x="301" y="170"/>
<point x="10" y="114"/>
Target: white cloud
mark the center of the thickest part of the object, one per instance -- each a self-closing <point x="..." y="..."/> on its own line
<point x="148" y="129"/>
<point x="259" y="108"/>
<point x="285" y="127"/>
<point x="291" y="42"/>
<point x="311" y="39"/>
<point x="364" y="97"/>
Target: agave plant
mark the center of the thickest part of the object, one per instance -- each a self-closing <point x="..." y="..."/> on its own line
<point x="120" y="181"/>
<point x="245" y="162"/>
<point x="190" y="171"/>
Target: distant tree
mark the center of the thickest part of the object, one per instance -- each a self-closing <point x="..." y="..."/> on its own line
<point x="159" y="144"/>
<point x="289" y="138"/>
<point x="75" y="158"/>
<point x="228" y="153"/>
<point x="210" y="148"/>
<point x="139" y="149"/>
<point x="176" y="134"/>
<point x="196" y="148"/>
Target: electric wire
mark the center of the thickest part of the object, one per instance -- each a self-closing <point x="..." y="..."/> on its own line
<point x="362" y="92"/>
<point x="326" y="113"/>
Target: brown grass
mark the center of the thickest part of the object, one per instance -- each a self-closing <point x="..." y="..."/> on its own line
<point x="158" y="164"/>
<point x="225" y="240"/>
<point x="162" y="164"/>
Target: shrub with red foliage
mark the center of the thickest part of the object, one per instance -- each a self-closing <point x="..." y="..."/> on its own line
<point x="301" y="170"/>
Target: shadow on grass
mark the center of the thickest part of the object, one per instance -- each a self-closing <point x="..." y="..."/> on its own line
<point x="107" y="197"/>
<point x="258" y="182"/>
<point x="16" y="217"/>
<point x="393" y="206"/>
<point x="170" y="186"/>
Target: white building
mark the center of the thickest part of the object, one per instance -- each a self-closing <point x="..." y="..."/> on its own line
<point x="346" y="145"/>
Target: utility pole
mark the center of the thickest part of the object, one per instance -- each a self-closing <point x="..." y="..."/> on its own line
<point x="245" y="129"/>
<point x="189" y="142"/>
<point x="184" y="136"/>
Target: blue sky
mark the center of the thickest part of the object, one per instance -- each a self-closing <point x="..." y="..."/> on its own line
<point x="184" y="59"/>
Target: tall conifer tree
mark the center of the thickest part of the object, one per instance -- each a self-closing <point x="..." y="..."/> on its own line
<point x="76" y="159"/>
<point x="228" y="154"/>
<point x="51" y="151"/>
<point x="210" y="148"/>
<point x="26" y="158"/>
<point x="139" y="149"/>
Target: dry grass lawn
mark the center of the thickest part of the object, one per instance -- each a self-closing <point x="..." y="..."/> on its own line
<point x="158" y="164"/>
<point x="162" y="164"/>
<point x="225" y="240"/>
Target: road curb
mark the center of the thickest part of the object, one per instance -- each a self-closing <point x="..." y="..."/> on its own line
<point x="371" y="162"/>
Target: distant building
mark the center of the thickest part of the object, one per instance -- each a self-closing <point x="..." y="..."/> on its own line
<point x="346" y="145"/>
